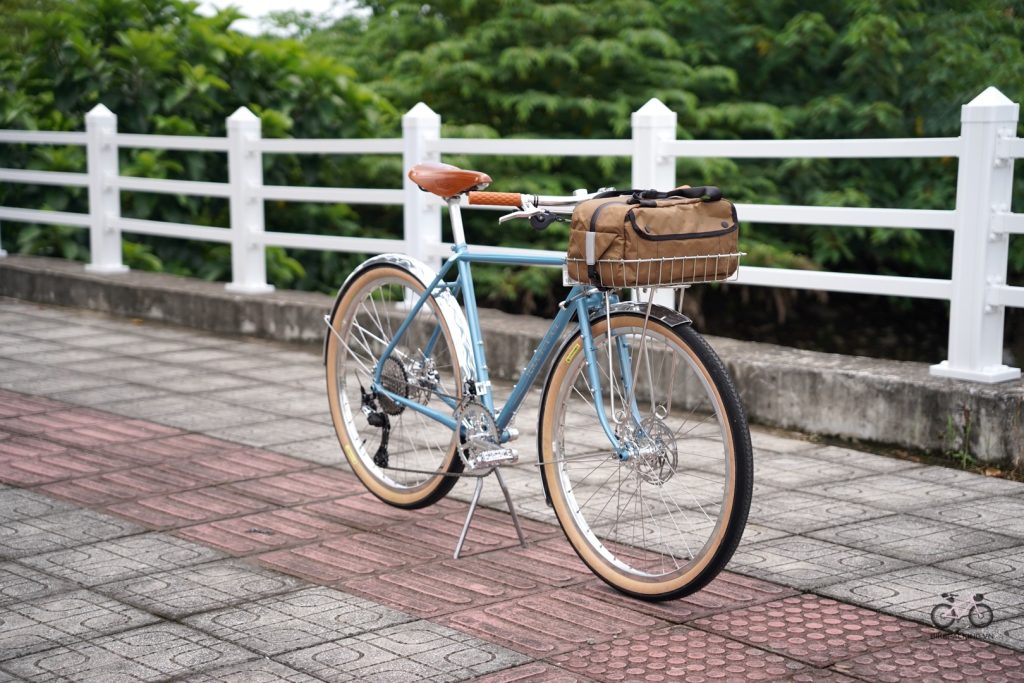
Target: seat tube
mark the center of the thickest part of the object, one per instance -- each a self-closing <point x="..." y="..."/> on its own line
<point x="483" y="380"/>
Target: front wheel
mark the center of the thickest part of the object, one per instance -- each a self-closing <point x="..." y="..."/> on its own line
<point x="980" y="615"/>
<point x="664" y="521"/>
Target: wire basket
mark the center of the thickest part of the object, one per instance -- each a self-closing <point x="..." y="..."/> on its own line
<point x="668" y="272"/>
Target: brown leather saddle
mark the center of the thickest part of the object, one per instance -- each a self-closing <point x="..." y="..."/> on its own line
<point x="446" y="180"/>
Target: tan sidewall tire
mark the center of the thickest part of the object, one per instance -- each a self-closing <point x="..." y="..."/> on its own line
<point x="400" y="498"/>
<point x="598" y="564"/>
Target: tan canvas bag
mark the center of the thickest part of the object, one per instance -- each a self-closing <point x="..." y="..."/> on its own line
<point x="649" y="238"/>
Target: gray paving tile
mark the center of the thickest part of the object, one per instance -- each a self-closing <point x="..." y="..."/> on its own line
<point x="911" y="592"/>
<point x="123" y="558"/>
<point x="1005" y="565"/>
<point x="190" y="590"/>
<point x="51" y="386"/>
<point x="163" y="404"/>
<point x="808" y="563"/>
<point x="1002" y="515"/>
<point x="155" y="348"/>
<point x="106" y="340"/>
<point x="57" y="620"/>
<point x="151" y="653"/>
<point x="325" y="450"/>
<point x="277" y="399"/>
<point x="151" y="373"/>
<point x="778" y="443"/>
<point x="291" y="621"/>
<point x="55" y="532"/>
<point x="125" y="366"/>
<point x="800" y="512"/>
<point x="800" y="470"/>
<point x="34" y="348"/>
<point x="248" y="362"/>
<point x="915" y="539"/>
<point x="193" y="382"/>
<point x="288" y="373"/>
<point x="71" y="356"/>
<point x="19" y="583"/>
<point x="98" y="396"/>
<point x="193" y="355"/>
<point x="1006" y="632"/>
<point x="896" y="492"/>
<point x="417" y="651"/>
<point x="20" y="504"/>
<point x="968" y="480"/>
<point x="258" y="671"/>
<point x="868" y="461"/>
<point x="212" y="419"/>
<point x="274" y="432"/>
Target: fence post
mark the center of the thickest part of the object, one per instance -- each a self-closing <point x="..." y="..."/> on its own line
<point x="984" y="186"/>
<point x="245" y="175"/>
<point x="421" y="216"/>
<point x="104" y="197"/>
<point x="654" y="124"/>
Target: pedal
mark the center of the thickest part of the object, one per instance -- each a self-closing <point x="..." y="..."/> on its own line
<point x="493" y="458"/>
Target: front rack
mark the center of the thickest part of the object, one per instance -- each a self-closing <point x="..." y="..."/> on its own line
<point x="668" y="272"/>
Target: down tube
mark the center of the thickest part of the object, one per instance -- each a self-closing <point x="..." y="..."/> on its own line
<point x="544" y="351"/>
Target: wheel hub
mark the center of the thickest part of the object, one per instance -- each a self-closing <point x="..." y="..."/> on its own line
<point x="653" y="454"/>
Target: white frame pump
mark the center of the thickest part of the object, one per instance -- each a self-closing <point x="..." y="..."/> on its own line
<point x="982" y="220"/>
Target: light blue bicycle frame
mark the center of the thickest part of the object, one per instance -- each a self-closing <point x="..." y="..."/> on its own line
<point x="580" y="303"/>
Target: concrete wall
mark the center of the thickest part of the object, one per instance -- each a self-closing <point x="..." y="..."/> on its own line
<point x="889" y="402"/>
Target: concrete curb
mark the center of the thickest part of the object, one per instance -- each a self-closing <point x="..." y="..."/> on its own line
<point x="889" y="402"/>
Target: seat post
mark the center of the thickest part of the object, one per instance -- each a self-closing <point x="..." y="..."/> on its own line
<point x="455" y="215"/>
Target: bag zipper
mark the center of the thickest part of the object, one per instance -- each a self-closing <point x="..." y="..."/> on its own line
<point x="679" y="235"/>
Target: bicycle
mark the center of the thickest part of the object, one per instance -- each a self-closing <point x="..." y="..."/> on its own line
<point x="643" y="445"/>
<point x="945" y="614"/>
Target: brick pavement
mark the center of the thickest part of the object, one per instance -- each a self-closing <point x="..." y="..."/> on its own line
<point x="163" y="516"/>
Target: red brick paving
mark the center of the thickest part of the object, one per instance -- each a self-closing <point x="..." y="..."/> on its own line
<point x="726" y="592"/>
<point x="348" y="557"/>
<point x="123" y="485"/>
<point x="174" y="447"/>
<point x="366" y="512"/>
<point x="546" y="624"/>
<point x="814" y="629"/>
<point x="188" y="507"/>
<point x="678" y="653"/>
<point x="938" y="659"/>
<point x="46" y="469"/>
<point x="532" y="673"/>
<point x="432" y="590"/>
<point x="300" y="487"/>
<point x="320" y="524"/>
<point x="27" y="447"/>
<point x="262" y="531"/>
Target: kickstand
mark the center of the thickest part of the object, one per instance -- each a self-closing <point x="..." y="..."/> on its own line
<point x="472" y="510"/>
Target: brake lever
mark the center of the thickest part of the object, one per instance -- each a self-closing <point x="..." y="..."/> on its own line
<point x="529" y="213"/>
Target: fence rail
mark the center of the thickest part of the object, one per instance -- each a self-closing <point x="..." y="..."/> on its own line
<point x="981" y="222"/>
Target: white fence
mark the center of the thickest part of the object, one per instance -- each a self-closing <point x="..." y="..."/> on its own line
<point x="981" y="221"/>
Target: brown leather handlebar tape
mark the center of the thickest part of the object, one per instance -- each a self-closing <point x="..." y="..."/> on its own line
<point x="496" y="198"/>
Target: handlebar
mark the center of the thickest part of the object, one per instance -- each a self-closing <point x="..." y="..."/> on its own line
<point x="495" y="199"/>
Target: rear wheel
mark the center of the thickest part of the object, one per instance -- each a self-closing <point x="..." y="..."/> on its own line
<point x="400" y="454"/>
<point x="663" y="522"/>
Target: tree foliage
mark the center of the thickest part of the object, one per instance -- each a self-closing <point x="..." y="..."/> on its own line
<point x="731" y="69"/>
<point x="164" y="69"/>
